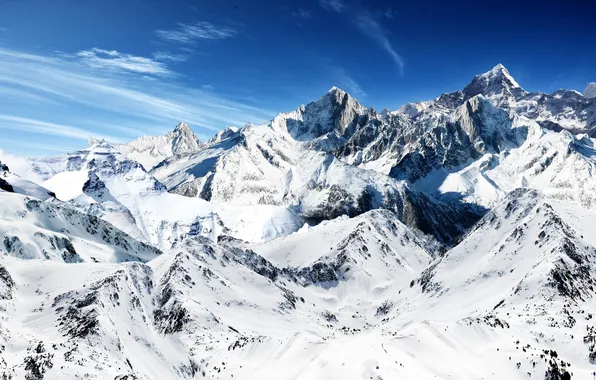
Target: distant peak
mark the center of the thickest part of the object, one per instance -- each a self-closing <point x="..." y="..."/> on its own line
<point x="182" y="127"/>
<point x="495" y="81"/>
<point x="95" y="142"/>
<point x="184" y="139"/>
<point x="337" y="92"/>
<point x="590" y="91"/>
<point x="223" y="134"/>
<point x="335" y="89"/>
<point x="500" y="71"/>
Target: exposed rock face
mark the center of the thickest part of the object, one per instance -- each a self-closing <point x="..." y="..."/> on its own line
<point x="334" y="116"/>
<point x="7" y="284"/>
<point x="496" y="83"/>
<point x="477" y="128"/>
<point x="4" y="185"/>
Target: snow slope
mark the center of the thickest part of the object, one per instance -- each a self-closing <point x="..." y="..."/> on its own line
<point x="511" y="298"/>
<point x="32" y="229"/>
<point x="14" y="183"/>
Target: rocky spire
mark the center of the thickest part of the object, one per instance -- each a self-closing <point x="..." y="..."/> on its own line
<point x="184" y="141"/>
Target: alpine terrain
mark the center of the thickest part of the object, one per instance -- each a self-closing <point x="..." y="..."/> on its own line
<point x="447" y="239"/>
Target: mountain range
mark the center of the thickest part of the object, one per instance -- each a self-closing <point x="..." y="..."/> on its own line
<point x="447" y="239"/>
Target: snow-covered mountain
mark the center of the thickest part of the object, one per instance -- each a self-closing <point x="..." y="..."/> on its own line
<point x="448" y="239"/>
<point x="102" y="181"/>
<point x="151" y="150"/>
<point x="590" y="90"/>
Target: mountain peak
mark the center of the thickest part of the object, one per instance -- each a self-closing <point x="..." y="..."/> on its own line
<point x="334" y="90"/>
<point x="182" y="127"/>
<point x="590" y="91"/>
<point x="496" y="81"/>
<point x="498" y="69"/>
<point x="184" y="141"/>
<point x="95" y="142"/>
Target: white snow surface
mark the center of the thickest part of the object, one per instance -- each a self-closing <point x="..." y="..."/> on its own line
<point x="67" y="185"/>
<point x="488" y="306"/>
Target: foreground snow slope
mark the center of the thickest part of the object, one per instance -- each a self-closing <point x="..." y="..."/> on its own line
<point x="512" y="298"/>
<point x="13" y="183"/>
<point x="32" y="229"/>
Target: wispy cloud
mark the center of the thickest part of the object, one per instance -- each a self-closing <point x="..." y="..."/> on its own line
<point x="370" y="26"/>
<point x="367" y="22"/>
<point x="65" y="96"/>
<point x="35" y="146"/>
<point x="165" y="56"/>
<point x="196" y="31"/>
<point x="349" y="84"/>
<point x="332" y="5"/>
<point x="48" y="128"/>
<point x="301" y="13"/>
<point x="389" y="13"/>
<point x="114" y="60"/>
<point x="12" y="94"/>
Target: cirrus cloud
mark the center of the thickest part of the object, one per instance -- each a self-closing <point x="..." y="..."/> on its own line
<point x="64" y="97"/>
<point x="367" y="22"/>
<point x="114" y="60"/>
<point x="192" y="32"/>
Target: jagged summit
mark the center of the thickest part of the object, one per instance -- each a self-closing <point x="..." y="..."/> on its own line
<point x="151" y="150"/>
<point x="98" y="143"/>
<point x="336" y="90"/>
<point x="495" y="82"/>
<point x="182" y="127"/>
<point x="500" y="72"/>
<point x="184" y="140"/>
<point x="223" y="135"/>
<point x="323" y="122"/>
<point x="590" y="91"/>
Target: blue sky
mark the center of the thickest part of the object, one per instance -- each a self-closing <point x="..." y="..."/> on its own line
<point x="121" y="69"/>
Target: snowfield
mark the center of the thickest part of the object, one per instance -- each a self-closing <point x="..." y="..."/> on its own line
<point x="450" y="239"/>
